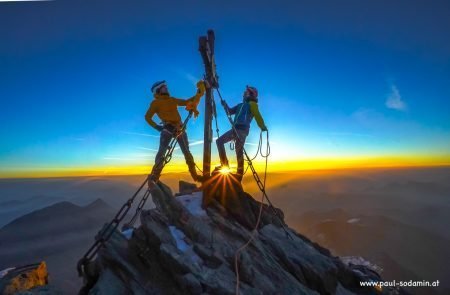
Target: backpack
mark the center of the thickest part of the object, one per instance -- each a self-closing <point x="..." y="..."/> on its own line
<point x="243" y="116"/>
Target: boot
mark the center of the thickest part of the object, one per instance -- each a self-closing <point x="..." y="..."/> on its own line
<point x="200" y="178"/>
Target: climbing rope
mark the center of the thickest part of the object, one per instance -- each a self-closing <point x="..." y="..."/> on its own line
<point x="258" y="220"/>
<point x="107" y="232"/>
<point x="252" y="168"/>
<point x="262" y="188"/>
<point x="259" y="151"/>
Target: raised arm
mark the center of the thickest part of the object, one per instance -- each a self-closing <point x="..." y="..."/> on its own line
<point x="232" y="110"/>
<point x="192" y="103"/>
<point x="258" y="118"/>
<point x="194" y="99"/>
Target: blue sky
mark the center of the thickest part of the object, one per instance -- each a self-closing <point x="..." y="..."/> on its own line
<point x="335" y="80"/>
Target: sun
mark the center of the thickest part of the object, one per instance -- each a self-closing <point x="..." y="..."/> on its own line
<point x="225" y="170"/>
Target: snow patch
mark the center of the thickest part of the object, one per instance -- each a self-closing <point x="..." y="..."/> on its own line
<point x="179" y="236"/>
<point x="193" y="203"/>
<point x="128" y="233"/>
<point x="357" y="260"/>
<point x="353" y="220"/>
<point x="184" y="247"/>
<point x="6" y="271"/>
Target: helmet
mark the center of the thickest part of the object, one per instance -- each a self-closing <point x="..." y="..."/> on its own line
<point x="252" y="91"/>
<point x="158" y="85"/>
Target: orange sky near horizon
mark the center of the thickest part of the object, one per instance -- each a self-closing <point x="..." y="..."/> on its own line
<point x="273" y="166"/>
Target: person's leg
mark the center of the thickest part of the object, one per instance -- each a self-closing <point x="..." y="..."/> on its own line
<point x="220" y="142"/>
<point x="164" y="141"/>
<point x="184" y="146"/>
<point x="239" y="146"/>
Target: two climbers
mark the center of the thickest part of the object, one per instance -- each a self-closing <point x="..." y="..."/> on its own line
<point x="166" y="108"/>
<point x="244" y="113"/>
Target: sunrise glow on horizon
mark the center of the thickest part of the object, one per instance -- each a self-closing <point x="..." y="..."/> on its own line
<point x="333" y="94"/>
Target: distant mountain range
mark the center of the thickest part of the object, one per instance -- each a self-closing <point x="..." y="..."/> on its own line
<point x="57" y="234"/>
<point x="405" y="252"/>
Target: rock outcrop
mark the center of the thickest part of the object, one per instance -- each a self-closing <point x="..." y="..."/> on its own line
<point x="179" y="248"/>
<point x="16" y="280"/>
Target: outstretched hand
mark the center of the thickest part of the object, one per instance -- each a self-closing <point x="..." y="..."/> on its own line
<point x="202" y="84"/>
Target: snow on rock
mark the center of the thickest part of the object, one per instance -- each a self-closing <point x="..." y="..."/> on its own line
<point x="128" y="233"/>
<point x="193" y="202"/>
<point x="180" y="240"/>
<point x="353" y="220"/>
<point x="181" y="249"/>
<point x="179" y="237"/>
<point x="357" y="260"/>
<point x="6" y="271"/>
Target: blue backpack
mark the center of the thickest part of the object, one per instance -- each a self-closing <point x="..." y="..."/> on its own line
<point x="243" y="116"/>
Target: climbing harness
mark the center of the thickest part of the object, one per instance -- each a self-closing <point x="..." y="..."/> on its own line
<point x="166" y="159"/>
<point x="207" y="51"/>
<point x="261" y="186"/>
<point x="107" y="232"/>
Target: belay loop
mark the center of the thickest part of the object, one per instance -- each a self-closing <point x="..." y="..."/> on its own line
<point x="164" y="161"/>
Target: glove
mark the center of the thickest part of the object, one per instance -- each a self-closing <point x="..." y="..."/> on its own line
<point x="201" y="85"/>
<point x="196" y="113"/>
<point x="264" y="128"/>
<point x="159" y="128"/>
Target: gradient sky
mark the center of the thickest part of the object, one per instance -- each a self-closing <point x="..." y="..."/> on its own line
<point x="339" y="81"/>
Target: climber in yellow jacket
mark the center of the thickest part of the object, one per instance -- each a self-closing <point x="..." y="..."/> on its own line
<point x="166" y="108"/>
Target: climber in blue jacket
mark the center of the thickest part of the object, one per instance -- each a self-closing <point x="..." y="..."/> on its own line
<point x="244" y="113"/>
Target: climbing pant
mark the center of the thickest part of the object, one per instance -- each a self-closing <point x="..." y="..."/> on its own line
<point x="166" y="136"/>
<point x="239" y="147"/>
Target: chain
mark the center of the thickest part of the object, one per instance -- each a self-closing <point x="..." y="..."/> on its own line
<point x="139" y="208"/>
<point x="261" y="186"/>
<point x="166" y="159"/>
<point x="107" y="232"/>
<point x="215" y="116"/>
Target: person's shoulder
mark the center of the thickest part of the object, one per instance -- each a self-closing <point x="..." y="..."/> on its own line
<point x="171" y="98"/>
<point x="154" y="103"/>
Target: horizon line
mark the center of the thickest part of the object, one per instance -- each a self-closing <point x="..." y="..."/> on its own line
<point x="324" y="169"/>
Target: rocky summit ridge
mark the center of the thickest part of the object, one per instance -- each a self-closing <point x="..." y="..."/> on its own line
<point x="180" y="248"/>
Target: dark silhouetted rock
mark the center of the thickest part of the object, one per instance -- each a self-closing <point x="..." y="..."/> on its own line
<point x="182" y="249"/>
